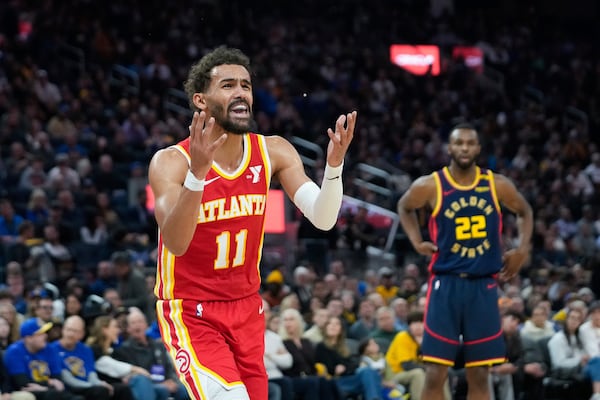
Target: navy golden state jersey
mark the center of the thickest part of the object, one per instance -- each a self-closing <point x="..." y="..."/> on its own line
<point x="466" y="226"/>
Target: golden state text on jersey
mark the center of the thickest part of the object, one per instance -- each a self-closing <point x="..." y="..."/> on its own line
<point x="466" y="225"/>
<point x="222" y="261"/>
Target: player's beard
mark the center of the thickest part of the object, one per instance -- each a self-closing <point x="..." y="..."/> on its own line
<point x="231" y="125"/>
<point x="464" y="165"/>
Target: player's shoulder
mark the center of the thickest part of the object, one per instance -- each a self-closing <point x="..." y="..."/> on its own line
<point x="501" y="180"/>
<point x="425" y="181"/>
<point x="276" y="141"/>
<point x="168" y="155"/>
<point x="280" y="149"/>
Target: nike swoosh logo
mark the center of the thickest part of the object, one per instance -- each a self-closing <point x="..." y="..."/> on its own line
<point x="209" y="181"/>
<point x="491" y="285"/>
<point x="447" y="192"/>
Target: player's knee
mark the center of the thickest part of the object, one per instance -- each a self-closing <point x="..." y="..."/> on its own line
<point x="215" y="391"/>
<point x="477" y="378"/>
<point x="436" y="375"/>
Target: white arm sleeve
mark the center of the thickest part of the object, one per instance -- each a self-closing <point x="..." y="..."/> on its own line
<point x="321" y="206"/>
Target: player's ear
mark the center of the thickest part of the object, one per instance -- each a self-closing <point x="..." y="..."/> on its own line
<point x="199" y="101"/>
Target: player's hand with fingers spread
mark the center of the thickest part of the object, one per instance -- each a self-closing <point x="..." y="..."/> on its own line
<point x="202" y="145"/>
<point x="513" y="260"/>
<point x="340" y="139"/>
<point x="426" y="248"/>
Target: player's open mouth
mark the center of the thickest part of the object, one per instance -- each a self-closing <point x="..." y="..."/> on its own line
<point x="239" y="110"/>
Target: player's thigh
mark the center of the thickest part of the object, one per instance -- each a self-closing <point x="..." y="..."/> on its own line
<point x="198" y="348"/>
<point x="483" y="338"/>
<point x="443" y="316"/>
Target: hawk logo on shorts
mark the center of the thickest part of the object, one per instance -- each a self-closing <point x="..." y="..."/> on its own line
<point x="199" y="310"/>
<point x="182" y="361"/>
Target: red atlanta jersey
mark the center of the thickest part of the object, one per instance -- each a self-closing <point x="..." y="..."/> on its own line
<point x="222" y="261"/>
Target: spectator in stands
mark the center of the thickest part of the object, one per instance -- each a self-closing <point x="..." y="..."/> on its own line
<point x="38" y="209"/>
<point x="524" y="369"/>
<point x="34" y="366"/>
<point x="278" y="358"/>
<point x="62" y="175"/>
<point x="302" y="287"/>
<point x="104" y="278"/>
<point x="106" y="177"/>
<point x="349" y="315"/>
<point x="46" y="91"/>
<point x="303" y="369"/>
<point x="124" y="377"/>
<point x="33" y="176"/>
<point x="403" y="354"/>
<point x="9" y="222"/>
<point x="567" y="353"/>
<point x="400" y="307"/>
<point x="13" y="319"/>
<point x="333" y="353"/>
<point x="372" y="357"/>
<point x="386" y="327"/>
<point x="387" y="288"/>
<point x="366" y="323"/>
<point x="131" y="283"/>
<point x="60" y="125"/>
<point x="94" y="230"/>
<point x="315" y="332"/>
<point x="150" y="355"/>
<point x="538" y="326"/>
<point x="77" y="360"/>
<point x="6" y="391"/>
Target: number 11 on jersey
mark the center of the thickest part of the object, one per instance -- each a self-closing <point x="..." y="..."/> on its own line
<point x="224" y="245"/>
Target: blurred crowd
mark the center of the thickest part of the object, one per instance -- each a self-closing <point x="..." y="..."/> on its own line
<point x="89" y="91"/>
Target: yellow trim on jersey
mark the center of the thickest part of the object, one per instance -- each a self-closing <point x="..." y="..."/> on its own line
<point x="262" y="146"/>
<point x="493" y="191"/>
<point x="167" y="274"/>
<point x="483" y="363"/>
<point x="437" y="360"/>
<point x="243" y="165"/>
<point x="438" y="194"/>
<point x="185" y="342"/>
<point x="166" y="332"/>
<point x="458" y="186"/>
<point x="184" y="152"/>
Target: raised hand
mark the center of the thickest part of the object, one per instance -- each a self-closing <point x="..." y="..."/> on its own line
<point x="202" y="145"/>
<point x="340" y="139"/>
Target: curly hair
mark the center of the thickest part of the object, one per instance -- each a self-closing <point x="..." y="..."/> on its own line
<point x="199" y="77"/>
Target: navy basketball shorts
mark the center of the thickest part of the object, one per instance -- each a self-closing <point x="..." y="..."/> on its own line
<point x="462" y="314"/>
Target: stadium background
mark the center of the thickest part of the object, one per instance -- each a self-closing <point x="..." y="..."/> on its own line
<point x="119" y="68"/>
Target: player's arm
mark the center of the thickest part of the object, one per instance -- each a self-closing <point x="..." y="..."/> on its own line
<point x="319" y="205"/>
<point x="511" y="198"/>
<point x="419" y="194"/>
<point x="178" y="187"/>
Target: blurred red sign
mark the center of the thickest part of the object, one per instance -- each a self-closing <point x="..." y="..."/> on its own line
<point x="416" y="59"/>
<point x="471" y="56"/>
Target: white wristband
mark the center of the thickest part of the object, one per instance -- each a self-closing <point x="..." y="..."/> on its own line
<point x="192" y="183"/>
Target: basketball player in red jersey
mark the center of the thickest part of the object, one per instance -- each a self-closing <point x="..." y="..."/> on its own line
<point x="467" y="257"/>
<point x="211" y="190"/>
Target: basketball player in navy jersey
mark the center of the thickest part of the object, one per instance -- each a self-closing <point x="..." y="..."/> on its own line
<point x="467" y="259"/>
